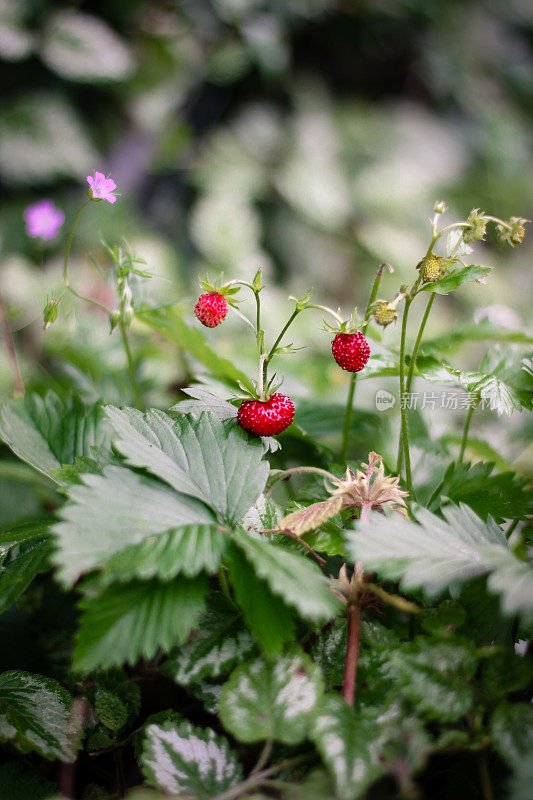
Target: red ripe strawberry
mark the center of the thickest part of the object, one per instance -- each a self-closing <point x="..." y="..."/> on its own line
<point x="211" y="309"/>
<point x="266" y="418"/>
<point x="351" y="351"/>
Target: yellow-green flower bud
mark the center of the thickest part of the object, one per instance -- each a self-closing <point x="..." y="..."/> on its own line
<point x="478" y="226"/>
<point x="515" y="233"/>
<point x="50" y="312"/>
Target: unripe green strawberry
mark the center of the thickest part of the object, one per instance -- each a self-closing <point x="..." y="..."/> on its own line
<point x="384" y="313"/>
<point x="433" y="268"/>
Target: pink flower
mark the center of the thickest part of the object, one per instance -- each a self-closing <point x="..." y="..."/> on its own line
<point x="43" y="219"/>
<point x="102" y="188"/>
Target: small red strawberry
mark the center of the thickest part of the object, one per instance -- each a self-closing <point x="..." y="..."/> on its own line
<point x="211" y="309"/>
<point x="266" y="417"/>
<point x="351" y="351"/>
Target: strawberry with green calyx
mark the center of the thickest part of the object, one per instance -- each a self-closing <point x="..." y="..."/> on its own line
<point x="385" y="311"/>
<point x="266" y="412"/>
<point x="350" y="348"/>
<point x="266" y="417"/>
<point x="212" y="306"/>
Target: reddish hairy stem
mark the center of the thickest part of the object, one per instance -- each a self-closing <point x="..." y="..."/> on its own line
<point x="352" y="652"/>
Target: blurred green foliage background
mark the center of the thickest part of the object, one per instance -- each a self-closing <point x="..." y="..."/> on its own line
<point x="308" y="137"/>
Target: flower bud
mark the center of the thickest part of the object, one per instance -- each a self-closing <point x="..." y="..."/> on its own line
<point x="50" y="312"/>
<point x="514" y="234"/>
<point x="128" y="315"/>
<point x="478" y="226"/>
<point x="440" y="207"/>
<point x="114" y="319"/>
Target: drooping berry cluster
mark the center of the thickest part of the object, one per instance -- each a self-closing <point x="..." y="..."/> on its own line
<point x="351" y="351"/>
<point x="268" y="417"/>
<point x="211" y="309"/>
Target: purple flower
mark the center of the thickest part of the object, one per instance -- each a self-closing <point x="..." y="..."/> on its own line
<point x="43" y="219"/>
<point x="102" y="188"/>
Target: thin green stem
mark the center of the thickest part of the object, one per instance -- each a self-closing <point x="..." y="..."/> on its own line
<point x="264" y="757"/>
<point x="225" y="586"/>
<point x="69" y="244"/>
<point x="286" y="473"/>
<point x="260" y="338"/>
<point x="276" y="343"/>
<point x="466" y="428"/>
<point x="131" y="365"/>
<point x="65" y="266"/>
<point x="417" y="343"/>
<point x="89" y="300"/>
<point x="348" y="418"/>
<point x="353" y="377"/>
<point x="404" y="437"/>
<point x="257" y="779"/>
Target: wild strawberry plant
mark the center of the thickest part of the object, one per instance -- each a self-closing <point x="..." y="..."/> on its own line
<point x="240" y="596"/>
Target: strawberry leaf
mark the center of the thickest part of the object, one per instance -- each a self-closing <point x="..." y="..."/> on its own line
<point x="205" y="458"/>
<point x="123" y="623"/>
<point x="47" y="432"/>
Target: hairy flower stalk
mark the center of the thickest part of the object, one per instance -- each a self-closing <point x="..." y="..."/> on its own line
<point x="351" y="591"/>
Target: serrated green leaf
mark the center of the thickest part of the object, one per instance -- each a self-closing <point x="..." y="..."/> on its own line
<point x="204" y="401"/>
<point x="329" y="538"/>
<point x="266" y="615"/>
<point x="500" y="496"/>
<point x="186" y="761"/>
<point x="46" y="432"/>
<point x="169" y="322"/>
<point x="435" y="677"/>
<point x="292" y="577"/>
<point x="188" y="550"/>
<point x="111" y="711"/>
<point x="348" y="746"/>
<point x="214" y="461"/>
<point x="459" y="276"/>
<point x="435" y="554"/>
<point x="500" y="381"/>
<point x="218" y="645"/>
<point x="512" y="579"/>
<point x="272" y="700"/>
<point x="108" y="513"/>
<point x="19" y="565"/>
<point x="34" y="714"/>
<point x="123" y="623"/>
<point x="511" y="730"/>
